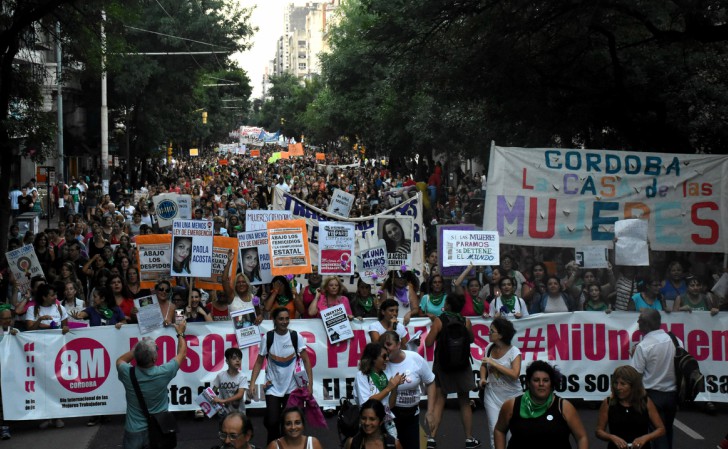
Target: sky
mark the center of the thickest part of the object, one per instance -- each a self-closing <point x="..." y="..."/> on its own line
<point x="268" y="18"/>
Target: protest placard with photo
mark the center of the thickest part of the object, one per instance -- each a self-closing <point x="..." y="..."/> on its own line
<point x="255" y="220"/>
<point x="336" y="248"/>
<point x="466" y="247"/>
<point x="396" y="231"/>
<point x="221" y="248"/>
<point x="288" y="247"/>
<point x="246" y="331"/>
<point x="254" y="257"/>
<point x="591" y="256"/>
<point x="24" y="265"/>
<point x="149" y="314"/>
<point x="336" y="322"/>
<point x="341" y="203"/>
<point x="192" y="248"/>
<point x="154" y="259"/>
<point x="172" y="206"/>
<point x="206" y="402"/>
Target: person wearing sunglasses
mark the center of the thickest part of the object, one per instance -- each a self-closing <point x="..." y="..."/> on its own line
<point x="371" y="382"/>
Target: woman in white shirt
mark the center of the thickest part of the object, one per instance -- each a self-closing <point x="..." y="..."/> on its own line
<point x="46" y="313"/>
<point x="407" y="407"/>
<point x="508" y="304"/>
<point x="371" y="382"/>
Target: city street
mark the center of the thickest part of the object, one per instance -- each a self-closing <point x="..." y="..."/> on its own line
<point x="694" y="430"/>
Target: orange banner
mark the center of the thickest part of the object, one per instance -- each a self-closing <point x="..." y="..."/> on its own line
<point x="291" y="147"/>
<point x="288" y="247"/>
<point x="254" y="153"/>
<point x="221" y="246"/>
<point x="154" y="257"/>
<point x="223" y="161"/>
<point x="320" y="157"/>
<point x="285" y="155"/>
<point x="297" y="149"/>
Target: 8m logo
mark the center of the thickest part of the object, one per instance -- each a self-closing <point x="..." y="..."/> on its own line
<point x="82" y="365"/>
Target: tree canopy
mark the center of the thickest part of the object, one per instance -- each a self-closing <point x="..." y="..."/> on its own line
<point x="455" y="74"/>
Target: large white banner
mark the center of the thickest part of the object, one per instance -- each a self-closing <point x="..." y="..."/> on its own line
<point x="567" y="198"/>
<point x="48" y="375"/>
<point x="365" y="226"/>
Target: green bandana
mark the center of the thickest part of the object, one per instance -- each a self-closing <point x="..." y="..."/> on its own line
<point x="380" y="380"/>
<point x="509" y="302"/>
<point x="106" y="312"/>
<point x="529" y="409"/>
<point x="436" y="300"/>
<point x="282" y="300"/>
<point x="478" y="305"/>
<point x="366" y="303"/>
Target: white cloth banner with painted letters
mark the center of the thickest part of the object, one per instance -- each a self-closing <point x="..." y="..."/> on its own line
<point x="49" y="375"/>
<point x="567" y="198"/>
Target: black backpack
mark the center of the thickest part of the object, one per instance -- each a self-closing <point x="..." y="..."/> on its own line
<point x="347" y="419"/>
<point x="269" y="341"/>
<point x="690" y="381"/>
<point x="453" y="344"/>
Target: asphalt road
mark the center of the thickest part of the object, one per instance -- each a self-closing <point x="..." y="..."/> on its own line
<point x="694" y="430"/>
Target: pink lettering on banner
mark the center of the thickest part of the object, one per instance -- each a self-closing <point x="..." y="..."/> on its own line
<point x="576" y="342"/>
<point x="310" y="341"/>
<point x="82" y="365"/>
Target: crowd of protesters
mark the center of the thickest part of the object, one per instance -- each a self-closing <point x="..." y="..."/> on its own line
<point x="90" y="274"/>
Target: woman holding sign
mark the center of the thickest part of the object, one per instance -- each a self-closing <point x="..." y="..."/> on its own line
<point x="330" y="294"/>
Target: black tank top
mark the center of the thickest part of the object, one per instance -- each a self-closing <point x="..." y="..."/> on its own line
<point x="549" y="429"/>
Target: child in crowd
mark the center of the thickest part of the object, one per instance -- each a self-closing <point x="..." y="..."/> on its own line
<point x="230" y="385"/>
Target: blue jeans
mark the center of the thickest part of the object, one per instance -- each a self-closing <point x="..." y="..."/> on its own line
<point x="666" y="404"/>
<point x="135" y="440"/>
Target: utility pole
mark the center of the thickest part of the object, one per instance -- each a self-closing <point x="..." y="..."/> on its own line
<point x="59" y="103"/>
<point x="104" y="112"/>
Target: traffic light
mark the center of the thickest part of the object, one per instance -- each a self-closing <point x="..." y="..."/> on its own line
<point x="204" y="117"/>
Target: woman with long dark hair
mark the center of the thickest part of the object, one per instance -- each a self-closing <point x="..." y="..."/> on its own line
<point x="372" y="433"/>
<point x="371" y="382"/>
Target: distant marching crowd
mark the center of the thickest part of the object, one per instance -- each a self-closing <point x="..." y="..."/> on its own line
<point x="90" y="275"/>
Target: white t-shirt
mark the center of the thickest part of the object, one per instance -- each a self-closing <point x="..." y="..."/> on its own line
<point x="377" y="327"/>
<point x="416" y="372"/>
<point x="500" y="381"/>
<point x="51" y="311"/>
<point x="519" y="307"/>
<point x="228" y="386"/>
<point x="281" y="377"/>
<point x="364" y="389"/>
